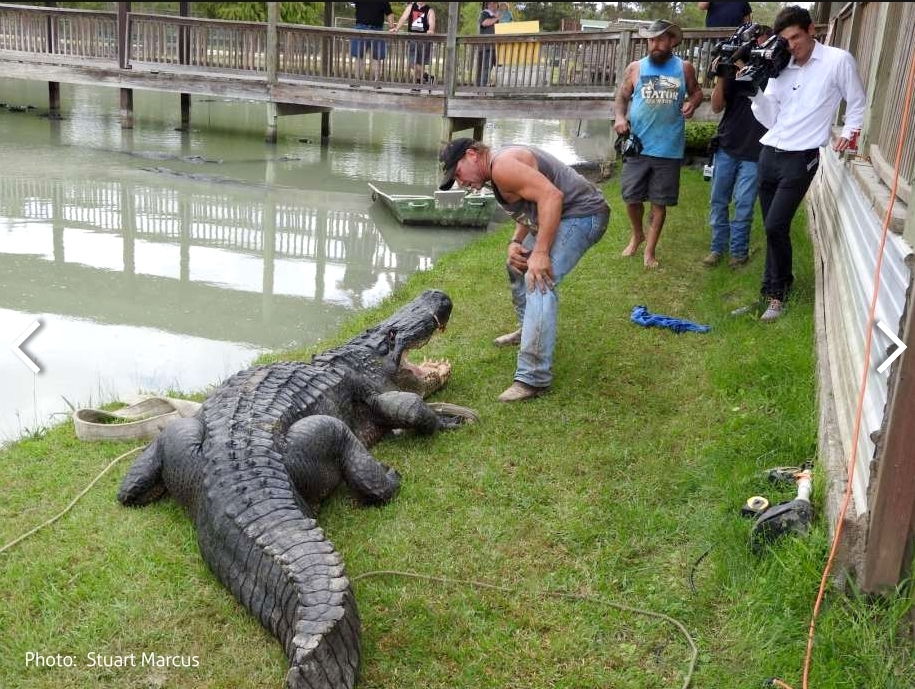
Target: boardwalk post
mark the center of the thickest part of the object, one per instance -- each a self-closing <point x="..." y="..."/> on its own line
<point x="328" y="47"/>
<point x="271" y="57"/>
<point x="124" y="63"/>
<point x="454" y="15"/>
<point x="53" y="86"/>
<point x="123" y="36"/>
<point x="453" y="124"/>
<point x="126" y="108"/>
<point x="183" y="55"/>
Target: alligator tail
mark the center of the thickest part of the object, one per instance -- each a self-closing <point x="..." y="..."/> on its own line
<point x="279" y="565"/>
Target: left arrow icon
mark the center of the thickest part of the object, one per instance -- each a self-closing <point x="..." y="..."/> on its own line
<point x="22" y="338"/>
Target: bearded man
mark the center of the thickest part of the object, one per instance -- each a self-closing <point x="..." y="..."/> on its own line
<point x="663" y="91"/>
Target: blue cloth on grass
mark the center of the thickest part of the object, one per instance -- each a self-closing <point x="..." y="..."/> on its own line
<point x="642" y="316"/>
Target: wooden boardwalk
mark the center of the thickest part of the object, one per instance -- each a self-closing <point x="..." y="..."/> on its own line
<point x="301" y="69"/>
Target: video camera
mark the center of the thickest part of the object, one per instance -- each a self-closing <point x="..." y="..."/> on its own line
<point x="727" y="53"/>
<point x="765" y="62"/>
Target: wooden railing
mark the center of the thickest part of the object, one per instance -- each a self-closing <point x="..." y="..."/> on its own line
<point x="855" y="30"/>
<point x="578" y="62"/>
<point x="63" y="32"/>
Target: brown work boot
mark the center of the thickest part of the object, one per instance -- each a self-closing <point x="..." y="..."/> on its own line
<point x="738" y="261"/>
<point x="509" y="339"/>
<point x="712" y="260"/>
<point x="518" y="392"/>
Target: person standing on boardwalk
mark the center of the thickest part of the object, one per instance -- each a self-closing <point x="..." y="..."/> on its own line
<point x="558" y="216"/>
<point x="371" y="16"/>
<point x="734" y="171"/>
<point x="798" y="107"/>
<point x="725" y="14"/>
<point x="486" y="55"/>
<point x="420" y="19"/>
<point x="653" y="100"/>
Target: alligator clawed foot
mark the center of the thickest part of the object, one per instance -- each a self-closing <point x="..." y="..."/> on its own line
<point x="453" y="415"/>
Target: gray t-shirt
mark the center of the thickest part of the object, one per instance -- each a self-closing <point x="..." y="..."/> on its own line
<point x="580" y="198"/>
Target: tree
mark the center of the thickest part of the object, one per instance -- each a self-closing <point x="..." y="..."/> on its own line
<point x="551" y="14"/>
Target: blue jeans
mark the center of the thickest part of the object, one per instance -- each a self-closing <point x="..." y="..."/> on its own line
<point x="735" y="179"/>
<point x="536" y="310"/>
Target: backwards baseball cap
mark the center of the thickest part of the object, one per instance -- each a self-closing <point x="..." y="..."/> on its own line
<point x="660" y="27"/>
<point x="450" y="156"/>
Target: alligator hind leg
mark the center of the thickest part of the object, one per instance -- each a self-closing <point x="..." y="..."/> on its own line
<point x="149" y="476"/>
<point x="322" y="450"/>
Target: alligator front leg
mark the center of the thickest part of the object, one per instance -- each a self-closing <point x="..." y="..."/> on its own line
<point x="399" y="409"/>
<point x="322" y="450"/>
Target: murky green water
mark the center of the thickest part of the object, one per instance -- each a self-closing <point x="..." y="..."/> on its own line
<point x="160" y="260"/>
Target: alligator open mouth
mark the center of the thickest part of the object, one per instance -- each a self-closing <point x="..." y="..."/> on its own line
<point x="423" y="378"/>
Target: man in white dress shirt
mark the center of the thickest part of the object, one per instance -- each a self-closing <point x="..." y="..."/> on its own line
<point x="798" y="108"/>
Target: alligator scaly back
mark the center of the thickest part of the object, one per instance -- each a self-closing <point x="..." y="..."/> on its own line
<point x="266" y="447"/>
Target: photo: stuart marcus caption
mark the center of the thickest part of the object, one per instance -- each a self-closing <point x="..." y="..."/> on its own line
<point x="108" y="660"/>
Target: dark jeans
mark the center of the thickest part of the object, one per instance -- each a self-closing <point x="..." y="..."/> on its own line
<point x="784" y="177"/>
<point x="486" y="60"/>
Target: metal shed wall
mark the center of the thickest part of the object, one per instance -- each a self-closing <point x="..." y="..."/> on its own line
<point x="847" y="230"/>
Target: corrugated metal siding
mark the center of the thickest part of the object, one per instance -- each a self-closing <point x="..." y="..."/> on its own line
<point x="848" y="235"/>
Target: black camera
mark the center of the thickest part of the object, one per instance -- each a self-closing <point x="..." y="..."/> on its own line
<point x="628" y="145"/>
<point x="765" y="62"/>
<point x="726" y="54"/>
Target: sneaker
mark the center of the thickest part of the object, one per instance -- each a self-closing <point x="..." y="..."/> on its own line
<point x="713" y="259"/>
<point x="509" y="339"/>
<point x="737" y="261"/>
<point x="773" y="311"/>
<point x="518" y="392"/>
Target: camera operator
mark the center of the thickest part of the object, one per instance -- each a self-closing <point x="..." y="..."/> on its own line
<point x="798" y="107"/>
<point x="734" y="165"/>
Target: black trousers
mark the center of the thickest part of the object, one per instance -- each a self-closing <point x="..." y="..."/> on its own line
<point x="783" y="179"/>
<point x="486" y="60"/>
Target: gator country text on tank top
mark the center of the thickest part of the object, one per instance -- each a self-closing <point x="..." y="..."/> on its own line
<point x="655" y="115"/>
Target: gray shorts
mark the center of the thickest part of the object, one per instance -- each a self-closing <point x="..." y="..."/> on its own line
<point x="646" y="178"/>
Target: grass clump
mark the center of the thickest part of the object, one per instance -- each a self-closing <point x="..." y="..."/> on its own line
<point x="623" y="485"/>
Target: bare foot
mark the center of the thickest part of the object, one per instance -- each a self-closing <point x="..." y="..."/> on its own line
<point x="633" y="246"/>
<point x="651" y="262"/>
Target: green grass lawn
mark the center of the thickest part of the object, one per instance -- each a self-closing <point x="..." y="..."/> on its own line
<point x="621" y="487"/>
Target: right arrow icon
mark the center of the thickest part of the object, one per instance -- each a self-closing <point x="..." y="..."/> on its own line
<point x="900" y="347"/>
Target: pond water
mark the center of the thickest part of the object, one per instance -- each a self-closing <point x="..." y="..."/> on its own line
<point x="157" y="260"/>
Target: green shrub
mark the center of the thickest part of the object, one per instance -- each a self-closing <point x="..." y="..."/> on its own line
<point x="698" y="134"/>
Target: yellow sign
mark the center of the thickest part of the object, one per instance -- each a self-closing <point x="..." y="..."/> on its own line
<point x="522" y="52"/>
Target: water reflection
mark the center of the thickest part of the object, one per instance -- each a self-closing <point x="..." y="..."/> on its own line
<point x="158" y="259"/>
<point x="173" y="253"/>
<point x="174" y="265"/>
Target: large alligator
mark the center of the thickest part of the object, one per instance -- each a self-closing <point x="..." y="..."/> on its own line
<point x="253" y="465"/>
